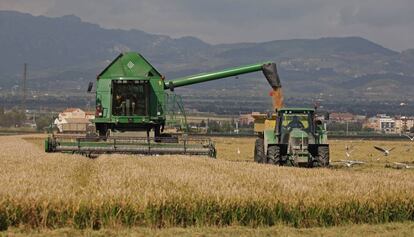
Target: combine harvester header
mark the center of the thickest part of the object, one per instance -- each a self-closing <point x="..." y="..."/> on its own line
<point x="131" y="96"/>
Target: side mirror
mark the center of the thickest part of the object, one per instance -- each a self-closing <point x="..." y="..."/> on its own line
<point x="90" y="87"/>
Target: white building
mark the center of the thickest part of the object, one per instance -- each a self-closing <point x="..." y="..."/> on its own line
<point x="386" y="123"/>
<point x="404" y="124"/>
<point x="73" y="120"/>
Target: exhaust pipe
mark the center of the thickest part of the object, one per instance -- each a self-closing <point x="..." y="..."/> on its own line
<point x="270" y="72"/>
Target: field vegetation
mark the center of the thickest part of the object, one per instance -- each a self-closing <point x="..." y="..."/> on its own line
<point x="39" y="190"/>
<point x="381" y="230"/>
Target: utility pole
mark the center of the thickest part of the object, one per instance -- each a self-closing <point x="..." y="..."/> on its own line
<point x="24" y="88"/>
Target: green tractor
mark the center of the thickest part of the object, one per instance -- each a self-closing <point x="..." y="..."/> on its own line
<point x="291" y="137"/>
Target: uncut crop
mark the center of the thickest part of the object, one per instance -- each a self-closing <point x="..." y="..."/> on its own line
<point x="59" y="190"/>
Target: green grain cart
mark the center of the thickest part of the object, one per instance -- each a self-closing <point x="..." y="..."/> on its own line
<point x="131" y="96"/>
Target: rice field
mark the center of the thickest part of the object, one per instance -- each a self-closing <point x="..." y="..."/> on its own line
<point x="361" y="150"/>
<point x="51" y="191"/>
<point x="381" y="230"/>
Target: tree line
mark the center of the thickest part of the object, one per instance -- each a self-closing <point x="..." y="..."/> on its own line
<point x="18" y="118"/>
<point x="12" y="118"/>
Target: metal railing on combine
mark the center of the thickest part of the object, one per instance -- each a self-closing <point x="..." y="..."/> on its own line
<point x="175" y="112"/>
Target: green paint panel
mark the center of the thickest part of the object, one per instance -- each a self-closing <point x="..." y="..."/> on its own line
<point x="270" y="137"/>
<point x="131" y="65"/>
<point x="298" y="133"/>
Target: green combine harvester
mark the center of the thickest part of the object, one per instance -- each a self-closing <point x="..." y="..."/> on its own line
<point x="131" y="96"/>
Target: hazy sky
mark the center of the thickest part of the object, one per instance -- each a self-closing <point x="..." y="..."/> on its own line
<point x="388" y="22"/>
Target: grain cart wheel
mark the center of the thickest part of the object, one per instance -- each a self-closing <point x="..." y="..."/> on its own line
<point x="322" y="160"/>
<point x="259" y="155"/>
<point x="273" y="155"/>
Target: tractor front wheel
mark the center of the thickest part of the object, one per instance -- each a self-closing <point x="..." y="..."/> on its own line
<point x="273" y="155"/>
<point x="259" y="155"/>
<point x="322" y="160"/>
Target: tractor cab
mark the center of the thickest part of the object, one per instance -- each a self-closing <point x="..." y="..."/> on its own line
<point x="295" y="124"/>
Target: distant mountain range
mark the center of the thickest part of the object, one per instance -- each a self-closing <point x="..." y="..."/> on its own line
<point x="65" y="53"/>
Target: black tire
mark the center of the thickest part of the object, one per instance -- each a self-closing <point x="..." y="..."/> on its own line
<point x="259" y="155"/>
<point x="322" y="160"/>
<point x="273" y="155"/>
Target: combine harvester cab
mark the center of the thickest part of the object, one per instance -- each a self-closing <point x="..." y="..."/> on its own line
<point x="131" y="97"/>
<point x="291" y="137"/>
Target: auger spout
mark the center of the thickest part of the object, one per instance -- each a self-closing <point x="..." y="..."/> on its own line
<point x="269" y="70"/>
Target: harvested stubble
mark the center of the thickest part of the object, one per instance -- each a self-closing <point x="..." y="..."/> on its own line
<point x="59" y="190"/>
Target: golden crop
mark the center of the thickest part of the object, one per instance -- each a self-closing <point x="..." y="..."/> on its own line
<point x="59" y="190"/>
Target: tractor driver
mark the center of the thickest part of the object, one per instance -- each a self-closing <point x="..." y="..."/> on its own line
<point x="295" y="123"/>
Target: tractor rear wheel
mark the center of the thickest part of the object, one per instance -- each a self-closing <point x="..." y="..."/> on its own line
<point x="322" y="160"/>
<point x="259" y="155"/>
<point x="273" y="155"/>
